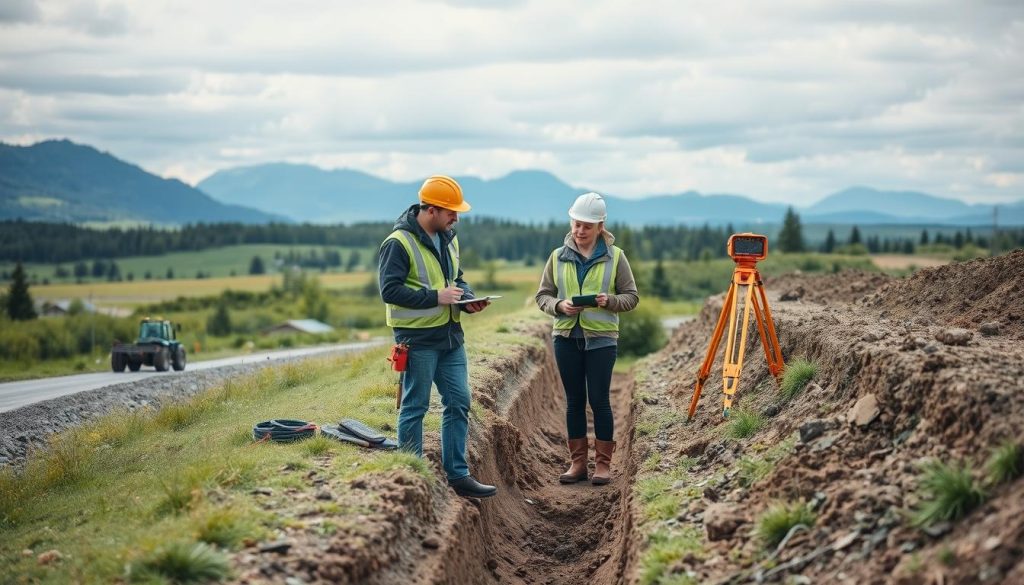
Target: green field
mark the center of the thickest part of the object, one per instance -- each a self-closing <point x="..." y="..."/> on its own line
<point x="216" y="262"/>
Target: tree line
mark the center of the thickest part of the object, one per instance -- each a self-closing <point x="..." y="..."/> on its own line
<point x="490" y="239"/>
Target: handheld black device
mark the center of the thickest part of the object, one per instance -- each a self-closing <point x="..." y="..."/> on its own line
<point x="585" y="300"/>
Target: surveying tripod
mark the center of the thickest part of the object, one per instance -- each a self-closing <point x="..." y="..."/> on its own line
<point x="746" y="250"/>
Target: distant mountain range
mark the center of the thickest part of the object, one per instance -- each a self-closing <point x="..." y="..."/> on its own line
<point x="63" y="181"/>
<point x="58" y="180"/>
<point x="308" y="193"/>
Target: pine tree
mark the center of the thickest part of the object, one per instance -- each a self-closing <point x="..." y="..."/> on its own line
<point x="854" y="235"/>
<point x="924" y="237"/>
<point x="660" y="285"/>
<point x="830" y="242"/>
<point x="256" y="266"/>
<point x="791" y="238"/>
<point x="19" y="301"/>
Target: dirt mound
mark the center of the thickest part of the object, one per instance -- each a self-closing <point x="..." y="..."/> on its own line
<point x="845" y="287"/>
<point x="966" y="294"/>
<point x="893" y="389"/>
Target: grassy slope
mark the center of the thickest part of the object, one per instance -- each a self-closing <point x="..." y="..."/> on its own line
<point x="106" y="494"/>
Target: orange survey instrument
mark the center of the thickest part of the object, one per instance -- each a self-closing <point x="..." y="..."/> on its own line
<point x="746" y="250"/>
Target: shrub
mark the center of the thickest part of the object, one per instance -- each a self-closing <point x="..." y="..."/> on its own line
<point x="795" y="377"/>
<point x="780" y="518"/>
<point x="223" y="527"/>
<point x="640" y="330"/>
<point x="950" y="493"/>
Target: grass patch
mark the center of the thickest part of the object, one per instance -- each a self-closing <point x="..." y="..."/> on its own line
<point x="745" y="423"/>
<point x="318" y="446"/>
<point x="181" y="562"/>
<point x="664" y="548"/>
<point x="1004" y="465"/>
<point x="796" y="375"/>
<point x="224" y="527"/>
<point x="950" y="493"/>
<point x="780" y="518"/>
<point x="751" y="469"/>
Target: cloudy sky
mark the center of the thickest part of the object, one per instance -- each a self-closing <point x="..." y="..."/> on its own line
<point x="787" y="100"/>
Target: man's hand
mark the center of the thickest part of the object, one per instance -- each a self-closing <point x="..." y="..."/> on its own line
<point x="567" y="308"/>
<point x="447" y="296"/>
<point x="602" y="300"/>
<point x="475" y="307"/>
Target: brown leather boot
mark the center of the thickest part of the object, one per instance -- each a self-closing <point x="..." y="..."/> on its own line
<point x="603" y="470"/>
<point x="578" y="470"/>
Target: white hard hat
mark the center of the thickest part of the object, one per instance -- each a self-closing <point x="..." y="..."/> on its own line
<point x="588" y="207"/>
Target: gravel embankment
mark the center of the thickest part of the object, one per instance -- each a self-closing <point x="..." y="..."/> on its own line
<point x="27" y="428"/>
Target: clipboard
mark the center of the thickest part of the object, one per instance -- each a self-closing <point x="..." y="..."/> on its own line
<point x="476" y="300"/>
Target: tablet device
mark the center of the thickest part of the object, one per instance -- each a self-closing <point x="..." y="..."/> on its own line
<point x="476" y="300"/>
<point x="585" y="301"/>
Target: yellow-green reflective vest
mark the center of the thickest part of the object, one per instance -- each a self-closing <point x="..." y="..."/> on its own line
<point x="424" y="273"/>
<point x="599" y="279"/>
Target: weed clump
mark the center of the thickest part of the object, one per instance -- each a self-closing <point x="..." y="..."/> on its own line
<point x="744" y="424"/>
<point x="780" y="518"/>
<point x="950" y="493"/>
<point x="797" y="374"/>
<point x="1004" y="465"/>
<point x="181" y="562"/>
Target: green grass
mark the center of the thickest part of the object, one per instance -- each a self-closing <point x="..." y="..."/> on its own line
<point x="744" y="423"/>
<point x="181" y="562"/>
<point x="779" y="518"/>
<point x="949" y="493"/>
<point x="663" y="548"/>
<point x="1004" y="464"/>
<point x="797" y="374"/>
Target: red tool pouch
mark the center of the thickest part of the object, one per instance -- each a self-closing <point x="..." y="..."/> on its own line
<point x="399" y="357"/>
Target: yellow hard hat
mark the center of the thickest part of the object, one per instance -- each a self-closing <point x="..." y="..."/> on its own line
<point x="443" y="192"/>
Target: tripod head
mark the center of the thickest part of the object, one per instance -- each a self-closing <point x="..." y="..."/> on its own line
<point x="747" y="249"/>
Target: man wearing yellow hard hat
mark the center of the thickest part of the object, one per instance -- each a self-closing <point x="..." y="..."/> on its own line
<point x="421" y="283"/>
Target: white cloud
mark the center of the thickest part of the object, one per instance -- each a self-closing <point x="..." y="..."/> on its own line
<point x="787" y="100"/>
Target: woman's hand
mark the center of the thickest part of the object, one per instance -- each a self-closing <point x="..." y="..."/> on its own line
<point x="602" y="300"/>
<point x="567" y="308"/>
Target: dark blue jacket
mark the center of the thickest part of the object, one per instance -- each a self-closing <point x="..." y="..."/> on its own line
<point x="394" y="268"/>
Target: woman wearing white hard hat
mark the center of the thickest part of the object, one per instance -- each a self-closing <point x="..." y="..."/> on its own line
<point x="586" y="283"/>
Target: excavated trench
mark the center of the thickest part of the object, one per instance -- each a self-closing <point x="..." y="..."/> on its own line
<point x="537" y="530"/>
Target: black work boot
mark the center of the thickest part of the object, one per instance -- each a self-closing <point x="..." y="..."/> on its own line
<point x="470" y="488"/>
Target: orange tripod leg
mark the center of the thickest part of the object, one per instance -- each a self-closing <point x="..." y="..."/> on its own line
<point x="709" y="358"/>
<point x="734" y="355"/>
<point x="766" y="329"/>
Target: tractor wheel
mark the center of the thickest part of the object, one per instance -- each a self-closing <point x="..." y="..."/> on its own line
<point x="178" y="360"/>
<point x="117" y="362"/>
<point x="160" y="359"/>
<point x="134" y="365"/>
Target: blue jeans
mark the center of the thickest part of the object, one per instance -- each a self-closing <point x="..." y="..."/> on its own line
<point x="448" y="369"/>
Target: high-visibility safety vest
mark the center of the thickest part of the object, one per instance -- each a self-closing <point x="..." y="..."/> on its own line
<point x="424" y="273"/>
<point x="599" y="279"/>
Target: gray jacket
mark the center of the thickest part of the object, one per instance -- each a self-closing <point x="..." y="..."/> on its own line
<point x="625" y="298"/>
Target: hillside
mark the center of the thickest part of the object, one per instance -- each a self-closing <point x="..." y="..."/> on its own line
<point x="59" y="180"/>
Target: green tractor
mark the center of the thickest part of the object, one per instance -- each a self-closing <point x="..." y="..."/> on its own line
<point x="156" y="346"/>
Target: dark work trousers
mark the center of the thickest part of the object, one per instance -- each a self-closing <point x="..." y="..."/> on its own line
<point x="586" y="376"/>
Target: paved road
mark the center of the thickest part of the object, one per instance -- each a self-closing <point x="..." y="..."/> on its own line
<point x="17" y="394"/>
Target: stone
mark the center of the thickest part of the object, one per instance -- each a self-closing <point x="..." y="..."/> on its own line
<point x="937" y="530"/>
<point x="845" y="540"/>
<point x="870" y="337"/>
<point x="277" y="546"/>
<point x="324" y="495"/>
<point x="793" y="295"/>
<point x="989" y="328"/>
<point x="864" y="411"/>
<point x="431" y="542"/>
<point x="49" y="557"/>
<point x="954" y="336"/>
<point x="770" y="410"/>
<point x="721" y="520"/>
<point x="492" y="564"/>
<point x="262" y="491"/>
<point x="811" y="430"/>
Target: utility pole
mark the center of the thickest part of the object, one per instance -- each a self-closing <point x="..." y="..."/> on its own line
<point x="92" y="328"/>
